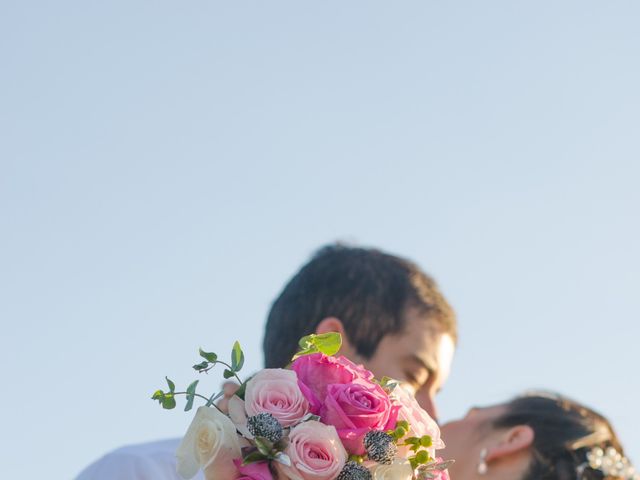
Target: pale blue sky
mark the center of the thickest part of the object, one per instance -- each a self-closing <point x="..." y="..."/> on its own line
<point x="165" y="167"/>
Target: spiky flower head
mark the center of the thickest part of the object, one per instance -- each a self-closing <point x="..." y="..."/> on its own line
<point x="354" y="471"/>
<point x="265" y="425"/>
<point x="380" y="447"/>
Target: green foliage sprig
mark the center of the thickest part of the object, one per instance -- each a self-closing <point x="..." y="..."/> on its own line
<point x="418" y="445"/>
<point x="267" y="450"/>
<point x="211" y="360"/>
<point x="326" y="343"/>
<point x="167" y="398"/>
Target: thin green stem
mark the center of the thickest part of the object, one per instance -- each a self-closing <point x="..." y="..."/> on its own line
<point x="194" y="394"/>
<point x="214" y="397"/>
<point x="202" y="397"/>
<point x="206" y="370"/>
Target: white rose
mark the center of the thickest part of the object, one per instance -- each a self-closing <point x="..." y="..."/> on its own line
<point x="211" y="443"/>
<point x="400" y="469"/>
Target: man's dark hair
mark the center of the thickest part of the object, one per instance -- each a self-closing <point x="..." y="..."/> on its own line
<point x="368" y="290"/>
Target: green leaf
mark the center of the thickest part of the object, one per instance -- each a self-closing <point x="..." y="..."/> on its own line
<point x="388" y="384"/>
<point x="306" y="342"/>
<point x="431" y="468"/>
<point x="310" y="416"/>
<point x="306" y="351"/>
<point x="191" y="390"/>
<point x="169" y="402"/>
<point x="237" y="357"/>
<point x="172" y="386"/>
<point x="328" y="343"/>
<point x="228" y="373"/>
<point x="242" y="389"/>
<point x="254" y="457"/>
<point x="201" y="366"/>
<point x="282" y="458"/>
<point x="209" y="356"/>
<point x="212" y="399"/>
<point x="443" y="465"/>
<point x="281" y="445"/>
<point x="264" y="446"/>
<point x="158" y="395"/>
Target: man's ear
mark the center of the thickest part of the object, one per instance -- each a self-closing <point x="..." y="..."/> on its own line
<point x="514" y="440"/>
<point x="334" y="324"/>
<point x="331" y="324"/>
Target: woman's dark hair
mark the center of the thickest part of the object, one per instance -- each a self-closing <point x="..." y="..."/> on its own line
<point x="564" y="432"/>
<point x="368" y="290"/>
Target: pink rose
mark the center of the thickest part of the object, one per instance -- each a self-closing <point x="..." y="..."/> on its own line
<point x="317" y="370"/>
<point x="276" y="391"/>
<point x="420" y="422"/>
<point x="357" y="408"/>
<point x="253" y="471"/>
<point x="315" y="452"/>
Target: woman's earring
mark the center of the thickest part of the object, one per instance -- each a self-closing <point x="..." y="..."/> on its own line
<point x="482" y="466"/>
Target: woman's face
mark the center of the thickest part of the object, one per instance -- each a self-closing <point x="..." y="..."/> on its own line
<point x="465" y="438"/>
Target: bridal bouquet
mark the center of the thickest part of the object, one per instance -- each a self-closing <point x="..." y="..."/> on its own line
<point x="322" y="418"/>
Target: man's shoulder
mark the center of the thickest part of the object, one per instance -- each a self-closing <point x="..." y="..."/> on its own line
<point x="142" y="461"/>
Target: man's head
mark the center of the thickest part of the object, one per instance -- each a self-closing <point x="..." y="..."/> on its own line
<point x="391" y="315"/>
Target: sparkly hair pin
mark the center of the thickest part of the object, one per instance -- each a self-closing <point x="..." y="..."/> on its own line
<point x="610" y="462"/>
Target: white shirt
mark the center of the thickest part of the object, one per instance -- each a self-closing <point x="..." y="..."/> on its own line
<point x="145" y="461"/>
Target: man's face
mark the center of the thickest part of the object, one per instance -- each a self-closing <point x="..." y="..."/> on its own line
<point x="420" y="357"/>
